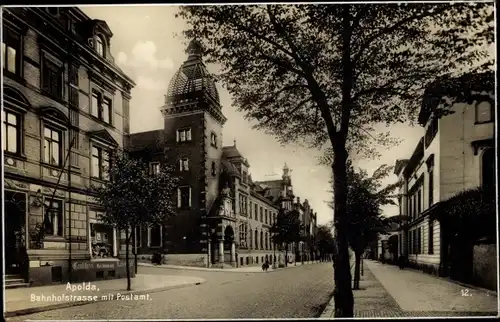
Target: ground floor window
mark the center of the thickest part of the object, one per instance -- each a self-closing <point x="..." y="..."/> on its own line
<point x="155" y="236"/>
<point x="102" y="240"/>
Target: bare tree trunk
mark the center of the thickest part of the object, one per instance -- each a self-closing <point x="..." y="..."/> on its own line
<point x="127" y="242"/>
<point x="357" y="270"/>
<point x="344" y="301"/>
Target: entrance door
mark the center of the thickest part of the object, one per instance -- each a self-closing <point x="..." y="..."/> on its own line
<point x="15" y="212"/>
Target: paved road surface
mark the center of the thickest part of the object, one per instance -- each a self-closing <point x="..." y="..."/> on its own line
<point x="298" y="292"/>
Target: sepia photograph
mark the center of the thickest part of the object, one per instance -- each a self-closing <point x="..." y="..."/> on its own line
<point x="249" y="161"/>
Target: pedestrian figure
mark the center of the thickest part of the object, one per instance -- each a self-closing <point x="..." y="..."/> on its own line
<point x="402" y="262"/>
<point x="265" y="266"/>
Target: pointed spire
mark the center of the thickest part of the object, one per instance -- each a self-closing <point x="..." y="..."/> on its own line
<point x="194" y="50"/>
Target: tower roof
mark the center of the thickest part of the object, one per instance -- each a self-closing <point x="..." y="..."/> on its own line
<point x="192" y="79"/>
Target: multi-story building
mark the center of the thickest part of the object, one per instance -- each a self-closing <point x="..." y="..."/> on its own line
<point x="456" y="153"/>
<point x="65" y="105"/>
<point x="223" y="216"/>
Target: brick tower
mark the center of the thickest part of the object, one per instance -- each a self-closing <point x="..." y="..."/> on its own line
<point x="193" y="145"/>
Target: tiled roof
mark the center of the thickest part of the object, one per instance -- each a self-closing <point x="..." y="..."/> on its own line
<point x="231" y="152"/>
<point x="145" y="140"/>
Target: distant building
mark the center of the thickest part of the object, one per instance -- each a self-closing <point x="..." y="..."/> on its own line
<point x="456" y="153"/>
<point x="223" y="218"/>
<point x="60" y="86"/>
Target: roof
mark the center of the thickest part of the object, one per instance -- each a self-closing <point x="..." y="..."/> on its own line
<point x="231" y="152"/>
<point x="459" y="88"/>
<point x="145" y="140"/>
<point x="400" y="163"/>
<point x="192" y="78"/>
<point x="273" y="184"/>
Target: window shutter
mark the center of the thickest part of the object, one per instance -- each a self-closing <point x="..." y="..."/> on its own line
<point x="179" y="197"/>
<point x="189" y="196"/>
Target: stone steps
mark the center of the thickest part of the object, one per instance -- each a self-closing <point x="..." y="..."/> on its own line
<point x="14" y="281"/>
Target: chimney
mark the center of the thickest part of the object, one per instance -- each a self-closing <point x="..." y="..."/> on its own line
<point x="298" y="200"/>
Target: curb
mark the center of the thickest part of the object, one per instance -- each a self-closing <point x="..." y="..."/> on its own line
<point x="229" y="270"/>
<point x="64" y="305"/>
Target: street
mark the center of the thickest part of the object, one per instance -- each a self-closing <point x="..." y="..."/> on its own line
<point x="299" y="292"/>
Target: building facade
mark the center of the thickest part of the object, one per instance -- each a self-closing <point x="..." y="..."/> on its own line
<point x="65" y="106"/>
<point x="223" y="217"/>
<point x="456" y="153"/>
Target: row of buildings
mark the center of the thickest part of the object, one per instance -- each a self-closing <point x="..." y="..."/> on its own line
<point x="455" y="153"/>
<point x="65" y="105"/>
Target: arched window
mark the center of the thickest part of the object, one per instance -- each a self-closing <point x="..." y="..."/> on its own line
<point x="488" y="170"/>
<point x="99" y="46"/>
<point x="484" y="112"/>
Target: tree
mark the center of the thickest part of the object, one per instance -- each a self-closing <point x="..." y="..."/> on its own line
<point x="325" y="75"/>
<point x="324" y="240"/>
<point x="286" y="230"/>
<point x="365" y="197"/>
<point x="133" y="197"/>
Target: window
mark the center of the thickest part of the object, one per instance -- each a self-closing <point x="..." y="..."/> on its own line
<point x="11" y="132"/>
<point x="156" y="236"/>
<point x="213" y="139"/>
<point x="431" y="187"/>
<point x="488" y="170"/>
<point x="261" y="243"/>
<point x="106" y="110"/>
<point x="100" y="163"/>
<point x="431" y="237"/>
<point x="419" y="240"/>
<point x="256" y="212"/>
<point x="102" y="107"/>
<point x="52" y="76"/>
<point x="419" y="202"/>
<point x="11" y="57"/>
<point x="245" y="177"/>
<point x="184" y="164"/>
<point x="266" y="242"/>
<point x="154" y="167"/>
<point x="265" y="217"/>
<point x="250" y="245"/>
<point x="256" y="246"/>
<point x="261" y="214"/>
<point x="183" y="135"/>
<point x="214" y="169"/>
<point x="184" y="197"/>
<point x="410" y="213"/>
<point x="243" y="230"/>
<point x="102" y="239"/>
<point x="52" y="146"/>
<point x="53" y="220"/>
<point x="99" y="46"/>
<point x="484" y="112"/>
<point x="431" y="131"/>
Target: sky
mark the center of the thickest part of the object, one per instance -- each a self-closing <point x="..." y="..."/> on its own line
<point x="148" y="46"/>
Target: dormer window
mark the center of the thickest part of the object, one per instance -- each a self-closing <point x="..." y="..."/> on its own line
<point x="99" y="46"/>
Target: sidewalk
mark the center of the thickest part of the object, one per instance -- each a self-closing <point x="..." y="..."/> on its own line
<point x="22" y="301"/>
<point x="245" y="269"/>
<point x="386" y="291"/>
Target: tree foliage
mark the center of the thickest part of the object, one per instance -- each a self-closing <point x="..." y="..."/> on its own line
<point x="470" y="214"/>
<point x="132" y="197"/>
<point x="285" y="68"/>
<point x="287" y="228"/>
<point x="324" y="240"/>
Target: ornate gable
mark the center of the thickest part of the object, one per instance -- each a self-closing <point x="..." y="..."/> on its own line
<point x="55" y="115"/>
<point x="103" y="27"/>
<point x="104" y="137"/>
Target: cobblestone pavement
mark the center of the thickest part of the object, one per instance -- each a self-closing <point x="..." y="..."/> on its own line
<point x="373" y="300"/>
<point x="430" y="293"/>
<point x="287" y="293"/>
